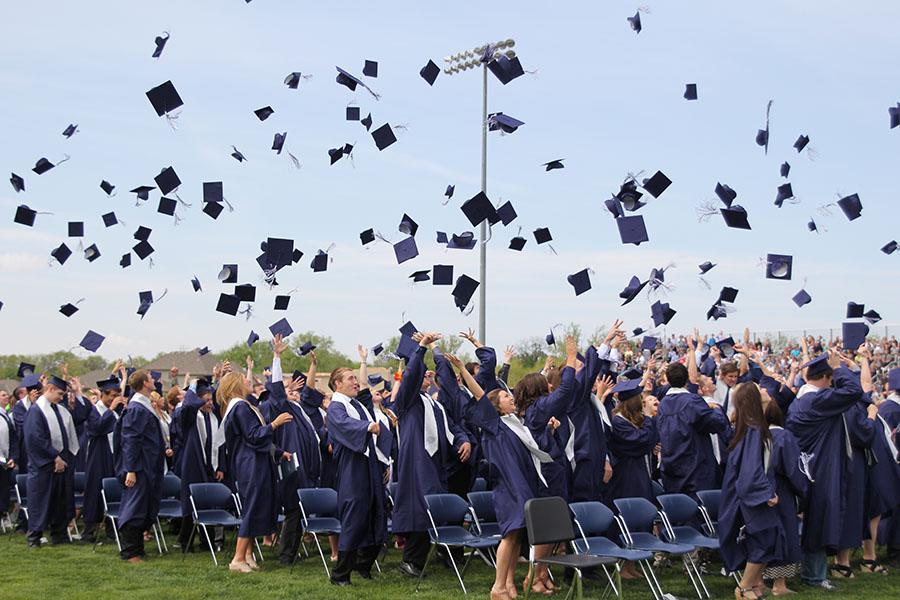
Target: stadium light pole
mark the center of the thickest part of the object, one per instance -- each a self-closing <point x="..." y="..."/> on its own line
<point x="457" y="63"/>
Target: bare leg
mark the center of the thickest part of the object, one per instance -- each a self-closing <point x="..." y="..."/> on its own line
<point x="779" y="586"/>
<point x="869" y="544"/>
<point x="507" y="554"/>
<point x="333" y="542"/>
<point x="752" y="575"/>
<point x="241" y="549"/>
<point x="843" y="557"/>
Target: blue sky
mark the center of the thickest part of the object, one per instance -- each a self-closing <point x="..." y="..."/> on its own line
<point x="605" y="99"/>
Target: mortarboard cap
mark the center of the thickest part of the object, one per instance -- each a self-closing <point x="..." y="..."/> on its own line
<point x="42" y="166"/>
<point x="463" y="290"/>
<point x="25" y="216"/>
<point x="627" y="389"/>
<point x="728" y="294"/>
<point x="726" y="346"/>
<point x="166" y="206"/>
<point x="367" y="121"/>
<point x="872" y="317"/>
<point x="542" y="235"/>
<point x="631" y="290"/>
<point x="725" y="194"/>
<point x="145" y="299"/>
<point x="306" y="348"/>
<point x="661" y="313"/>
<point x="246" y="292"/>
<point x="91" y="341"/>
<point x="890" y="247"/>
<point x="762" y="138"/>
<point x="57" y="382"/>
<point x="811" y="225"/>
<point x="549" y="338"/>
<point x="228" y="274"/>
<point x="167" y="181"/>
<point x="785" y="169"/>
<point x="367" y="236"/>
<point x="632" y="230"/>
<point x="408" y="329"/>
<point x="352" y="113"/>
<point x="406" y="347"/>
<point x="203" y="351"/>
<point x="785" y="191"/>
<point x="420" y="276"/>
<point x="228" y="304"/>
<point x="735" y="217"/>
<point x="405" y="250"/>
<point x="801" y="143"/>
<point x="894" y="114"/>
<point x="278" y="142"/>
<point x="854" y="335"/>
<point x="281" y="302"/>
<point x="107" y="187"/>
<point x="142" y="191"/>
<point x="894" y="379"/>
<point x="319" y="262"/>
<point x="706" y="267"/>
<point x="690" y="91"/>
<point x="442" y="275"/>
<point x="68" y="309"/>
<point x="449" y="191"/>
<point x="635" y="22"/>
<point x="347" y="80"/>
<point x="504" y="123"/>
<point x="407" y="225"/>
<point x="143" y="249"/>
<point x="195" y="283"/>
<point x="279" y="252"/>
<point x="649" y="343"/>
<point x="142" y="233"/>
<point x="92" y="253"/>
<point x="581" y="281"/>
<point x="238" y="155"/>
<point x="213" y="191"/>
<point x="851" y="205"/>
<point x="125" y="261"/>
<point x="801" y="298"/>
<point x="109" y="219"/>
<point x="463" y="241"/>
<point x="160" y="42"/>
<point x="252" y="338"/>
<point x="107" y="385"/>
<point x="264" y="113"/>
<point x="370" y="69"/>
<point x="384" y="136"/>
<point x="657" y="184"/>
<point x="517" y="243"/>
<point x="855" y="311"/>
<point x="61" y="253"/>
<point x="430" y="72"/>
<point x="164" y="98"/>
<point x="507" y="213"/>
<point x="506" y="69"/>
<point x="213" y="209"/>
<point x="31" y="382"/>
<point x="817" y="366"/>
<point x="17" y="182"/>
<point x="779" y="266"/>
<point x="25" y="369"/>
<point x="281" y="327"/>
<point x="478" y="208"/>
<point x="377" y="348"/>
<point x="554" y="164"/>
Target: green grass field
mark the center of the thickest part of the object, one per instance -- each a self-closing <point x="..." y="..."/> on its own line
<point x="75" y="572"/>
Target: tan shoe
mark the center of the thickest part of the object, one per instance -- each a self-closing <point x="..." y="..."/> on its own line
<point x="239" y="567"/>
<point x="252" y="562"/>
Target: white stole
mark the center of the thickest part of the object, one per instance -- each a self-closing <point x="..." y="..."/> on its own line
<point x="430" y="424"/>
<point x="233" y="403"/>
<point x="101" y="410"/>
<point x="344" y="400"/>
<point x="598" y="406"/>
<point x="5" y="428"/>
<point x="218" y="437"/>
<point x="56" y="434"/>
<point x="714" y="438"/>
<point x="538" y="456"/>
<point x="570" y="445"/>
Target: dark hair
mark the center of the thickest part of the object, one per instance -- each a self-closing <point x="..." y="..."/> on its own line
<point x="530" y="388"/>
<point x="728" y="367"/>
<point x="470" y="367"/>
<point x="773" y="414"/>
<point x="748" y="412"/>
<point x="554" y="377"/>
<point x="632" y="409"/>
<point x="677" y="375"/>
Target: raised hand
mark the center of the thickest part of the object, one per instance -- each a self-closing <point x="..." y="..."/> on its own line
<point x="571" y="348"/>
<point x="470" y="335"/>
<point x="281" y="420"/>
<point x="454" y="360"/>
<point x="426" y="339"/>
<point x="604" y="386"/>
<point x="613" y="331"/>
<point x="279" y="345"/>
<point x="363" y="352"/>
<point x="313" y="359"/>
<point x="249" y="363"/>
<point x="508" y="354"/>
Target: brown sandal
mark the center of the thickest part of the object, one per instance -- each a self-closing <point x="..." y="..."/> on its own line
<point x="842" y="571"/>
<point x="872" y="566"/>
<point x="741" y="594"/>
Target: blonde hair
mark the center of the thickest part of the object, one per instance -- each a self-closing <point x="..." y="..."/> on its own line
<point x="231" y="386"/>
<point x="337" y="376"/>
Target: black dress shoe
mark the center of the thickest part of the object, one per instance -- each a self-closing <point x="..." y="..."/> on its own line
<point x="34" y="545"/>
<point x="340" y="582"/>
<point x="410" y="570"/>
<point x="365" y="574"/>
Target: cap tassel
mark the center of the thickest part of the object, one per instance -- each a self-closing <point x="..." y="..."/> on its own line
<point x="180" y="201"/>
<point x="177" y="219"/>
<point x="65" y="158"/>
<point x="706" y="210"/>
<point x="704" y="283"/>
<point x="296" y="161"/>
<point x="149" y="264"/>
<point x="247" y="311"/>
<point x="172" y="119"/>
<point x="805" y="465"/>
<point x="379" y="236"/>
<point x="552" y="249"/>
<point x="228" y="204"/>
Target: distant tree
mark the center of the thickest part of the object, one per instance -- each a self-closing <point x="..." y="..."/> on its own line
<point x="329" y="358"/>
<point x="76" y="365"/>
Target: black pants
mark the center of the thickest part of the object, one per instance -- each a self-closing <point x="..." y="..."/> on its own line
<point x="132" y="536"/>
<point x="58" y="520"/>
<point x="415" y="551"/>
<point x="290" y="537"/>
<point x="360" y="560"/>
<point x="460" y="482"/>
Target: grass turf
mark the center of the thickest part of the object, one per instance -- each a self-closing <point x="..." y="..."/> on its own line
<point x="75" y="572"/>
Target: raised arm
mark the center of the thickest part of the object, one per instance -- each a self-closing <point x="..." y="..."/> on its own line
<point x="313" y="366"/>
<point x="744" y="361"/>
<point x="363" y="366"/>
<point x="468" y="380"/>
<point x="414" y="374"/>
<point x="865" y="370"/>
<point x="693" y="371"/>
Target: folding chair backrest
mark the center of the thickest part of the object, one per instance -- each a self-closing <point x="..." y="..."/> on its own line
<point x="446" y="509"/>
<point x="22" y="486"/>
<point x="79" y="482"/>
<point x="638" y="513"/>
<point x="679" y="508"/>
<point x="112" y="490"/>
<point x="321" y="502"/>
<point x="480" y="484"/>
<point x="710" y="500"/>
<point x="483" y="505"/>
<point x="657" y="488"/>
<point x="211" y="496"/>
<point x="595" y="518"/>
<point x="548" y="521"/>
<point x="171" y="486"/>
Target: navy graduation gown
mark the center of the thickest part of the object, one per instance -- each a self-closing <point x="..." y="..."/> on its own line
<point x="80" y="409"/>
<point x="816" y="420"/>
<point x="590" y="435"/>
<point x="790" y="485"/>
<point x="884" y="475"/>
<point x="311" y="402"/>
<point x="454" y="402"/>
<point x="555" y="404"/>
<point x="487" y="370"/>
<point x="685" y="422"/>
<point x="749" y="529"/>
<point x="862" y="432"/>
<point x="418" y="473"/>
<point x="18" y="415"/>
<point x="630" y="449"/>
<point x="889" y="410"/>
<point x="359" y="480"/>
<point x="51" y="496"/>
<point x="249" y="449"/>
<point x="142" y="452"/>
<point x="7" y="476"/>
<point x="176" y="441"/>
<point x="194" y="460"/>
<point x="99" y="461"/>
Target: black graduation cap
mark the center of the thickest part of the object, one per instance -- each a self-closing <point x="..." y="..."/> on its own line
<point x="91" y="341"/>
<point x="854" y="335"/>
<point x="146" y="300"/>
<point x="125" y="261"/>
<point x="580" y="281"/>
<point x="406" y="249"/>
<point x="801" y="143"/>
<point x="419" y="276"/>
<point x="61" y="253"/>
<point x="631" y="290"/>
<point x="142" y="233"/>
<point x="346" y="79"/>
<point x="478" y="208"/>
<point x="76" y="229"/>
<point x="549" y="338"/>
<point x="785" y="169"/>
<point x="306" y="348"/>
<point x="160" y="42"/>
<point x="25" y="369"/>
<point x="352" y="113"/>
<point x="384" y="136"/>
<point x="367" y="236"/>
<point x="442" y="275"/>
<point x="370" y="69"/>
<point x="506" y="69"/>
<point x="264" y="113"/>
<point x="42" y="166"/>
<point x="726" y="346"/>
<point x="407" y="225"/>
<point x="164" y="98"/>
<point x="504" y="123"/>
<point x="430" y="72"/>
<point x="635" y="22"/>
<point x="281" y="327"/>
<point x="296" y="255"/>
<point x="228" y="304"/>
<point x="855" y="311"/>
<point x="195" y="283"/>
<point x="213" y="191"/>
<point x="554" y="164"/>
<point x="91" y="253"/>
<point x="661" y="313"/>
<point x="463" y="241"/>
<point x="507" y="213"/>
<point x="542" y="235"/>
<point x="779" y="266"/>
<point x="449" y="191"/>
<point x="252" y="338"/>
<point x="142" y="191"/>
<point x="279" y="252"/>
<point x="735" y="217"/>
<point x="70" y="130"/>
<point x="203" y="351"/>
<point x="68" y="309"/>
<point x="890" y="247"/>
<point x="213" y="209"/>
<point x="785" y="191"/>
<point x="762" y="136"/>
<point x="281" y="302"/>
<point x="377" y="348"/>
<point x="690" y="91"/>
<point x="228" y="274"/>
<point x="107" y="187"/>
<point x="319" y="262"/>
<point x="872" y="317"/>
<point x="166" y="206"/>
<point x="725" y="194"/>
<point x="632" y="230"/>
<point x="706" y="267"/>
<point x="894" y="114"/>
<point x="25" y="216"/>
<point x="463" y="290"/>
<point x="246" y="292"/>
<point x="657" y="184"/>
<point x="801" y="298"/>
<point x="517" y="243"/>
<point x="278" y="142"/>
<point x="17" y="182"/>
<point x="728" y="294"/>
<point x="852" y="206"/>
<point x="143" y="249"/>
<point x="367" y="121"/>
<point x="238" y="155"/>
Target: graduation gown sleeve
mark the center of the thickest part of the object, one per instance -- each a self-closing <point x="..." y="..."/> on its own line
<point x="487" y="372"/>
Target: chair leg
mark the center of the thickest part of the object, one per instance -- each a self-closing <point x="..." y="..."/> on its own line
<point x="699" y="575"/>
<point x="115" y="532"/>
<point x="685" y="559"/>
<point x="468" y="560"/>
<point x="321" y="555"/>
<point x="258" y="549"/>
<point x="455" y="569"/>
<point x="612" y="583"/>
<point x="431" y="549"/>
<point x="377" y="566"/>
<point x="529" y="579"/>
<point x="156" y="535"/>
<point x="652" y="581"/>
<point x="210" y="544"/>
<point x="162" y="536"/>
